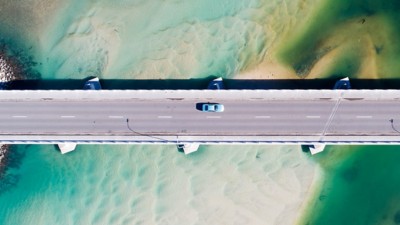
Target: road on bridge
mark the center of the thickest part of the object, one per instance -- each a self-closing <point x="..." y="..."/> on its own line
<point x="322" y="117"/>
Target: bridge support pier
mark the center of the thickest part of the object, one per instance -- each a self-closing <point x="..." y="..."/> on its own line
<point x="314" y="149"/>
<point x="188" y="148"/>
<point x="66" y="147"/>
<point x="92" y="84"/>
<point x="343" y="84"/>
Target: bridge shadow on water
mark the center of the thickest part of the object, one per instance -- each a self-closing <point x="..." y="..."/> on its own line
<point x="186" y="84"/>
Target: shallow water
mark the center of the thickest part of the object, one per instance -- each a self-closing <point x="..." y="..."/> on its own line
<point x="178" y="40"/>
<point x="361" y="186"/>
<point x="354" y="39"/>
<point x="359" y="29"/>
<point x="151" y="184"/>
<point x="154" y="185"/>
<point x="174" y="39"/>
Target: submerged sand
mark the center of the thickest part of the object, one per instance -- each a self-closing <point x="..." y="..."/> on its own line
<point x="102" y="184"/>
<point x="181" y="41"/>
<point x="172" y="40"/>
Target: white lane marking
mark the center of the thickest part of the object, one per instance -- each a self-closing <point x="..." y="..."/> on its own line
<point x="213" y="117"/>
<point x="19" y="116"/>
<point x="164" y="117"/>
<point x="115" y="117"/>
<point x="363" y="117"/>
<point x="313" y="117"/>
<point x="262" y="117"/>
<point x="67" y="116"/>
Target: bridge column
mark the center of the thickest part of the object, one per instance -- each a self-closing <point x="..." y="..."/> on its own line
<point x="188" y="148"/>
<point x="343" y="84"/>
<point x="317" y="148"/>
<point x="216" y="84"/>
<point x="66" y="147"/>
<point x="92" y="84"/>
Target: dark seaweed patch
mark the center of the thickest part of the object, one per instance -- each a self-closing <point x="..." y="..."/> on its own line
<point x="11" y="162"/>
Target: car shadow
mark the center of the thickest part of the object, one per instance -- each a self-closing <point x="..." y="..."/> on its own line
<point x="199" y="105"/>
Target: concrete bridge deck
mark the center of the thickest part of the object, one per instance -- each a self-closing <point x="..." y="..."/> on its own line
<point x="171" y="117"/>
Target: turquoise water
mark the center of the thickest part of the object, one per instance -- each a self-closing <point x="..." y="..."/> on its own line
<point x="360" y="184"/>
<point x="140" y="39"/>
<point x="179" y="39"/>
<point x="149" y="185"/>
<point x="361" y="187"/>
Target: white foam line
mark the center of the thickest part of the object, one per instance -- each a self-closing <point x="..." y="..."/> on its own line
<point x="262" y="117"/>
<point x="363" y="117"/>
<point x="67" y="116"/>
<point x="115" y="117"/>
<point x="19" y="116"/>
<point x="313" y="117"/>
<point x="213" y="117"/>
<point x="164" y="117"/>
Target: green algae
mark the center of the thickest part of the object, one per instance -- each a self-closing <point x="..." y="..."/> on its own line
<point x="360" y="186"/>
<point x="359" y="183"/>
<point x="347" y="62"/>
<point x="312" y="39"/>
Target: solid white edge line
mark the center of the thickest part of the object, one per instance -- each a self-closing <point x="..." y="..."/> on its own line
<point x="213" y="117"/>
<point x="67" y="116"/>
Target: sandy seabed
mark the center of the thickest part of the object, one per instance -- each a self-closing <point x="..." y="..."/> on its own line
<point x="157" y="185"/>
<point x="165" y="40"/>
<point x="175" y="39"/>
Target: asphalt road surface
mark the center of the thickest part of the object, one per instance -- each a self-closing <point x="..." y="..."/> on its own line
<point x="322" y="117"/>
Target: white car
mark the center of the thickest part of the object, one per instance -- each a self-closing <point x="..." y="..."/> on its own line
<point x="212" y="107"/>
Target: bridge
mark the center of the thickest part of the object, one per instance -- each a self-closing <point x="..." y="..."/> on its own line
<point x="306" y="117"/>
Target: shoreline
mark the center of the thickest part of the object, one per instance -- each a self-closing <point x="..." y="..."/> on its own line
<point x="3" y="157"/>
<point x="6" y="75"/>
<point x="11" y="68"/>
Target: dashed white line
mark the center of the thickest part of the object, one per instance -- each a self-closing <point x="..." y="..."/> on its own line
<point x="363" y="117"/>
<point x="164" y="117"/>
<point x="313" y="117"/>
<point x="213" y="117"/>
<point x="262" y="117"/>
<point x="67" y="116"/>
<point x="115" y="117"/>
<point x="19" y="116"/>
